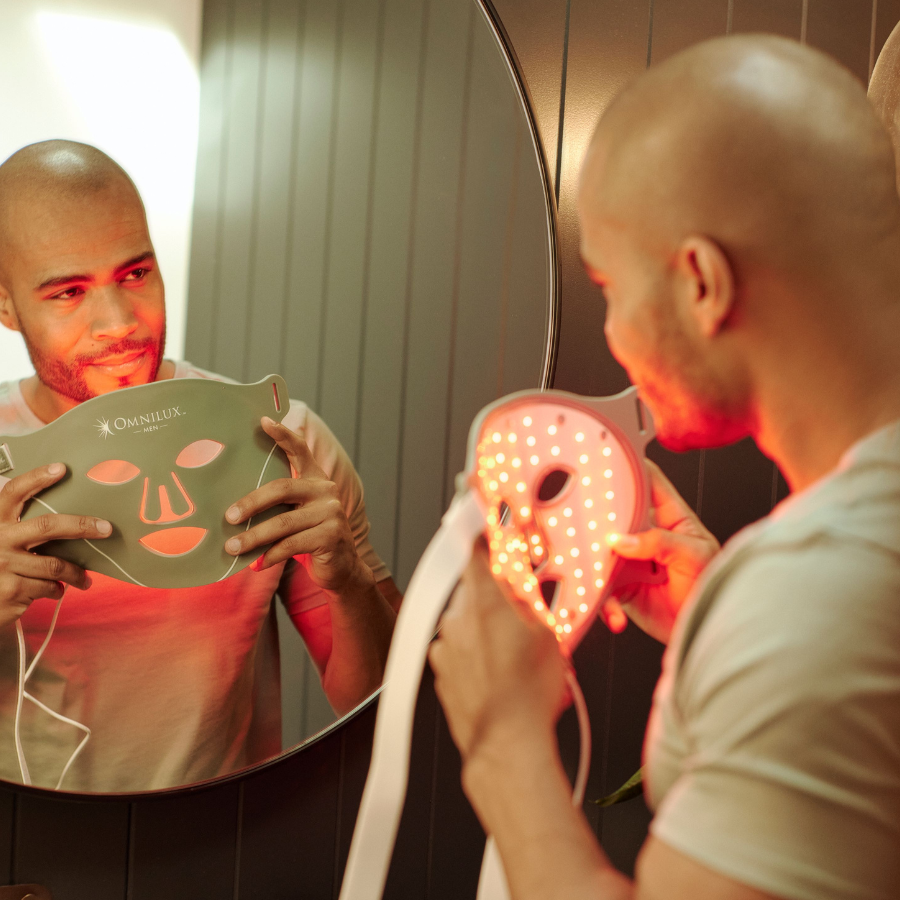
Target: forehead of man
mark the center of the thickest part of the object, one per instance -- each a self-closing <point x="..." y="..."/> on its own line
<point x="49" y="231"/>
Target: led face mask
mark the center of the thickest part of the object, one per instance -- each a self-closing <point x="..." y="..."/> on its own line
<point x="548" y="476"/>
<point x="162" y="463"/>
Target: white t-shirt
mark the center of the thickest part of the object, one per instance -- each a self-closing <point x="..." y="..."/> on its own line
<point x="773" y="750"/>
<point x="177" y="686"/>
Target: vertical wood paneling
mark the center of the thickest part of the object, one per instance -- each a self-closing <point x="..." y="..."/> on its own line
<point x="433" y="279"/>
<point x="194" y="835"/>
<point x="271" y="233"/>
<point x="360" y="62"/>
<point x="391" y="237"/>
<point x="843" y="30"/>
<point x="204" y="270"/>
<point x="77" y="850"/>
<point x="311" y="185"/>
<point x="240" y="188"/>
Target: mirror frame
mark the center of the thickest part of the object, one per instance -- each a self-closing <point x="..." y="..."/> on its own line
<point x="548" y="369"/>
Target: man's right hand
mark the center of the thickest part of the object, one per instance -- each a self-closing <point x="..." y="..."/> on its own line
<point x="26" y="576"/>
<point x="680" y="544"/>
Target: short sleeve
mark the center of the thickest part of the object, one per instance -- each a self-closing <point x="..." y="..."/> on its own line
<point x="789" y="702"/>
<point x="297" y="590"/>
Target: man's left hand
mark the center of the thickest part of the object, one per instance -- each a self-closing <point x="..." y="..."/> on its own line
<point x="316" y="526"/>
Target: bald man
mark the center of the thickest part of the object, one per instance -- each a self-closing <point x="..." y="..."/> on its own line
<point x="738" y="209"/>
<point x="182" y="685"/>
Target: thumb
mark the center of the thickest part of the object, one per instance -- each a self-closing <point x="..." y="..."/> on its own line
<point x="657" y="544"/>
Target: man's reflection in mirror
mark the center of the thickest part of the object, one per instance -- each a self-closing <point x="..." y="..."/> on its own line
<point x="182" y="685"/>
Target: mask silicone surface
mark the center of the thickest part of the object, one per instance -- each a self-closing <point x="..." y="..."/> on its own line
<point x="162" y="463"/>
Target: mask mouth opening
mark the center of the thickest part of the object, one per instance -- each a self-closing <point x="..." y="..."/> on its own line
<point x="173" y="542"/>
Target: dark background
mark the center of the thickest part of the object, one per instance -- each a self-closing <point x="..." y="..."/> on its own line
<point x="284" y="831"/>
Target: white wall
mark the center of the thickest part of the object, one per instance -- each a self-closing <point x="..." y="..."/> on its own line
<point x="122" y="75"/>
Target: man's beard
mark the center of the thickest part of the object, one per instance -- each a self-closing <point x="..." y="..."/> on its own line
<point x="67" y="379"/>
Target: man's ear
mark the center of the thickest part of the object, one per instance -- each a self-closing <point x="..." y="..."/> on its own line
<point x="709" y="280"/>
<point x="8" y="315"/>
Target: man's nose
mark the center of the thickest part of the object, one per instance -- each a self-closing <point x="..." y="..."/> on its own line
<point x="113" y="314"/>
<point x="166" y="513"/>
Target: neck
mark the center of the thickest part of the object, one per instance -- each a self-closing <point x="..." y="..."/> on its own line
<point x="818" y="398"/>
<point x="48" y="405"/>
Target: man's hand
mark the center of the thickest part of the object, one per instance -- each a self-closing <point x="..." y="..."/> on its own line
<point x="317" y="525"/>
<point x="25" y="576"/>
<point x="499" y="672"/>
<point x="679" y="543"/>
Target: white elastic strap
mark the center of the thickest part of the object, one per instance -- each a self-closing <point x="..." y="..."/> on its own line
<point x="492" y="884"/>
<point x="438" y="571"/>
<point x="23" y="695"/>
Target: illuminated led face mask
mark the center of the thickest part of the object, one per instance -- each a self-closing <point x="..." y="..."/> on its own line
<point x="162" y="463"/>
<point x="557" y="473"/>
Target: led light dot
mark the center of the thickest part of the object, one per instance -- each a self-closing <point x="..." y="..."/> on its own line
<point x="559" y="560"/>
<point x="581" y="591"/>
<point x="586" y="480"/>
<point x="592" y="525"/>
<point x="574" y="551"/>
<point x="578" y="573"/>
<point x="588" y="504"/>
<point x="567" y="628"/>
<point x="599" y="583"/>
<point x="551" y="429"/>
<point x="534" y="460"/>
<point x="607" y="473"/>
<point x="516" y="463"/>
<point x="570" y="532"/>
<point x="567" y="512"/>
<point x="579" y="437"/>
<point x="611" y="517"/>
<point x="554" y="451"/>
<point x="583" y="608"/>
<point x="583" y="458"/>
<point x="500" y="458"/>
<point x="610" y="495"/>
<point x="530" y="441"/>
<point x="526" y="421"/>
<point x="607" y="451"/>
<point x="495" y="437"/>
<point x="552" y="521"/>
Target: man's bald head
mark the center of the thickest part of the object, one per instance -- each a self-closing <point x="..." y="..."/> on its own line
<point x="764" y="145"/>
<point x="54" y="175"/>
<point x="738" y="205"/>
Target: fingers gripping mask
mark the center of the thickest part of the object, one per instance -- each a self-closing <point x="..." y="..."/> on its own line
<point x="162" y="463"/>
<point x="556" y="474"/>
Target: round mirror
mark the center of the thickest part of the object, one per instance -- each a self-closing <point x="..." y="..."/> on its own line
<point x="373" y="220"/>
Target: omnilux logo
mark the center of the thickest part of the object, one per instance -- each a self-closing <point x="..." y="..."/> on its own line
<point x="136" y="424"/>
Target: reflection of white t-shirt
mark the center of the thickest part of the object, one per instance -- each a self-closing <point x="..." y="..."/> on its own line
<point x="773" y="751"/>
<point x="176" y="685"/>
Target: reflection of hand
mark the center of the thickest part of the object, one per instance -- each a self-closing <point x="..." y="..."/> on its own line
<point x="679" y="543"/>
<point x="499" y="672"/>
<point x="317" y="525"/>
<point x="25" y="576"/>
